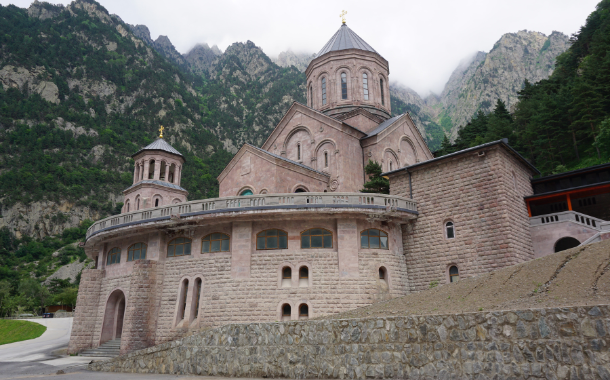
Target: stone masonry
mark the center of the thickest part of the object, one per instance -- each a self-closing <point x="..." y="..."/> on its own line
<point x="566" y="343"/>
<point x="481" y="192"/>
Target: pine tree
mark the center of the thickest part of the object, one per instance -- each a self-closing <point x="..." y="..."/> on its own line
<point x="376" y="184"/>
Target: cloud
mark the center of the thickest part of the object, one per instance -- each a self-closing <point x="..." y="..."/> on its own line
<point x="424" y="41"/>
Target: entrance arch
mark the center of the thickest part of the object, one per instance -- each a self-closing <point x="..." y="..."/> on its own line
<point x="113" y="316"/>
<point x="566" y="243"/>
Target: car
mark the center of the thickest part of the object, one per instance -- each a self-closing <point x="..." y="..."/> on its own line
<point x="47" y="315"/>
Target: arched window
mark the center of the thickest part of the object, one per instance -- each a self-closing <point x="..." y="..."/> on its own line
<point x="128" y="204"/>
<point x="142" y="171"/>
<point x="365" y="86"/>
<point x="137" y="172"/>
<point x="216" y="242"/>
<point x="299" y="152"/>
<point x="162" y="171"/>
<point x="286" y="312"/>
<point x="449" y="230"/>
<point x="390" y="165"/>
<point x="151" y="170"/>
<point x="114" y="256"/>
<point x="303" y="276"/>
<point x="325" y="159"/>
<point x="136" y="252"/>
<point x="374" y="238"/>
<point x="311" y="96"/>
<point x="303" y="311"/>
<point x="170" y="176"/>
<point x="382" y="92"/>
<point x="300" y="190"/>
<point x="454" y="274"/>
<point x="316" y="238"/>
<point x="179" y="247"/>
<point x="286" y="277"/>
<point x="198" y="284"/>
<point x="138" y="204"/>
<point x="157" y="202"/>
<point x="272" y="239"/>
<point x="383" y="274"/>
<point x="323" y="91"/>
<point x="246" y="192"/>
<point x="185" y="290"/>
<point x="343" y="86"/>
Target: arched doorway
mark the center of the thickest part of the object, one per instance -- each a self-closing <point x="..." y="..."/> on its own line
<point x="113" y="317"/>
<point x="566" y="243"/>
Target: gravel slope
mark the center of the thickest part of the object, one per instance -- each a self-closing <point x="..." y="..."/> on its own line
<point x="579" y="276"/>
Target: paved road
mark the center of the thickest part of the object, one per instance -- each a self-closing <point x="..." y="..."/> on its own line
<point x="44" y="356"/>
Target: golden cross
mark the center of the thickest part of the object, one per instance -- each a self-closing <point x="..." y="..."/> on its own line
<point x="161" y="132"/>
<point x="342" y="15"/>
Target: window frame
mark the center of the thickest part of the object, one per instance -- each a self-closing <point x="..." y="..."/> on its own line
<point x="449" y="224"/>
<point x="190" y="243"/>
<point x="131" y="249"/>
<point x="299" y="310"/>
<point x="365" y="86"/>
<point x="343" y="85"/>
<point x="453" y="275"/>
<point x="387" y="236"/>
<point x="332" y="243"/>
<point x="324" y="97"/>
<point x="300" y="269"/>
<point x="116" y="254"/>
<point x="278" y="239"/>
<point x="286" y="269"/>
<point x="211" y="240"/>
<point x="382" y="92"/>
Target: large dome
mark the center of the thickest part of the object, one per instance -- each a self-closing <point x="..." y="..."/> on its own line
<point x="344" y="39"/>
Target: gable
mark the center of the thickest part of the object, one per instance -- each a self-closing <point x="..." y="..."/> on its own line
<point x="307" y="119"/>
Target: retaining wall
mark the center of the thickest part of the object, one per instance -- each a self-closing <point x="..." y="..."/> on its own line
<point x="560" y="343"/>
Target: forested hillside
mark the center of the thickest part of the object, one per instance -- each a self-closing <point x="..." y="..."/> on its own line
<point x="563" y="122"/>
<point x="80" y="93"/>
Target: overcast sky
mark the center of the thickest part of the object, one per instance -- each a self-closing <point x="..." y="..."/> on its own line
<point x="424" y="41"/>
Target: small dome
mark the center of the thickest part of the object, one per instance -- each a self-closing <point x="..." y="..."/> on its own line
<point x="159" y="144"/>
<point x="345" y="39"/>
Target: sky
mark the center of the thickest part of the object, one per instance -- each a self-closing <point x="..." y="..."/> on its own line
<point x="424" y="41"/>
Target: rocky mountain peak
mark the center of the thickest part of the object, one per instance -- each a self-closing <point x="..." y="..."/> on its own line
<point x="44" y="10"/>
<point x="299" y="60"/>
<point x="201" y="57"/>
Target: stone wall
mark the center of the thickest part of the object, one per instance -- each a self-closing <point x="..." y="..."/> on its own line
<point x="566" y="343"/>
<point x="481" y="192"/>
<point x="88" y="301"/>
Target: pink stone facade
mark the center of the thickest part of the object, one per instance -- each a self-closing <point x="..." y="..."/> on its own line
<point x="481" y="192"/>
<point x="319" y="150"/>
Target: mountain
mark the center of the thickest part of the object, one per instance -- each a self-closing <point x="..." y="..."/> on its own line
<point x="81" y="92"/>
<point x="484" y="78"/>
<point x="561" y="123"/>
<point x="289" y="58"/>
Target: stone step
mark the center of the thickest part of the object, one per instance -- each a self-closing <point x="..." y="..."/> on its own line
<point x="108" y="349"/>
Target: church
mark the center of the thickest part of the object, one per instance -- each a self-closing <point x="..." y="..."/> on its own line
<point x="291" y="236"/>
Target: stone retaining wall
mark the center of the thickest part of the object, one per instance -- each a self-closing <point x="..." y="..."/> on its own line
<point x="558" y="343"/>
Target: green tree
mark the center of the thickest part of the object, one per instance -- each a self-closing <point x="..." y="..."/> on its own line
<point x="376" y="183"/>
<point x="5" y="292"/>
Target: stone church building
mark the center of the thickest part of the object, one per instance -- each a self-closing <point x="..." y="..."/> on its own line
<point x="292" y="237"/>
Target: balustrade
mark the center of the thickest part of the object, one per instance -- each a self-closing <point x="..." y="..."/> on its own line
<point x="267" y="201"/>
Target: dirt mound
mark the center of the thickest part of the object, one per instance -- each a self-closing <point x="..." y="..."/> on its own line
<point x="576" y="277"/>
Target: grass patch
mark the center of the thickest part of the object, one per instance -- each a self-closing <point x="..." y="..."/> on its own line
<point x="15" y="331"/>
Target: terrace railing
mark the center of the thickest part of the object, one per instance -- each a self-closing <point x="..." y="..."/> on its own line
<point x="257" y="202"/>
